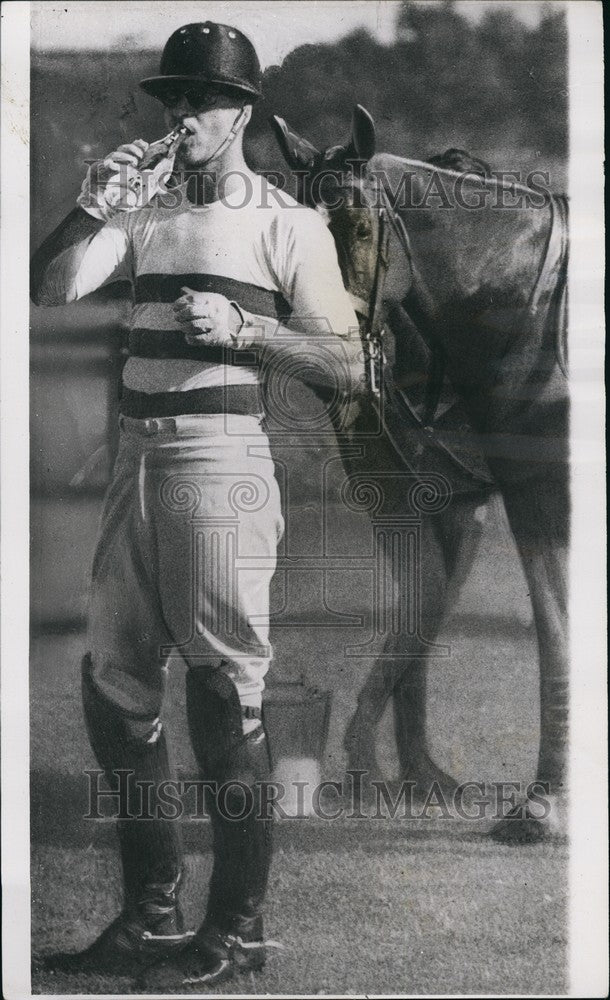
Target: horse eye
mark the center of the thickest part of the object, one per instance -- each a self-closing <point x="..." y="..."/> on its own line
<point x="363" y="231"/>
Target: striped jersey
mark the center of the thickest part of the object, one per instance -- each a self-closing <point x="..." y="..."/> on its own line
<point x="275" y="258"/>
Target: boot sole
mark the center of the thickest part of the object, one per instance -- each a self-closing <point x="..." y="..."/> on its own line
<point x="228" y="970"/>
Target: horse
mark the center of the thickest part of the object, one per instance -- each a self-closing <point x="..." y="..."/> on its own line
<point x="472" y="270"/>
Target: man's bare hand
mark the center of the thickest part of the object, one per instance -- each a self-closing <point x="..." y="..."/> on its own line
<point x="207" y="318"/>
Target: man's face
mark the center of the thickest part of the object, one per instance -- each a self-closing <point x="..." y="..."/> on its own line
<point x="209" y="114"/>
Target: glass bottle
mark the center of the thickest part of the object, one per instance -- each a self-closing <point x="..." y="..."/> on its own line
<point x="157" y="160"/>
<point x="163" y="149"/>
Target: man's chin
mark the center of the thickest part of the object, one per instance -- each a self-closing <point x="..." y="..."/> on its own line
<point x="190" y="162"/>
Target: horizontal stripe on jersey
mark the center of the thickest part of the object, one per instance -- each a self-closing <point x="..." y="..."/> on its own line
<point x="244" y="399"/>
<point x="252" y="298"/>
<point x="172" y="344"/>
<point x="181" y="374"/>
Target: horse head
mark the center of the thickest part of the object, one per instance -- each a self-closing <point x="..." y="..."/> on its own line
<point x="334" y="182"/>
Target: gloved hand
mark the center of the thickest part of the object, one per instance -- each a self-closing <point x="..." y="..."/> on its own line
<point x="114" y="184"/>
<point x="208" y="318"/>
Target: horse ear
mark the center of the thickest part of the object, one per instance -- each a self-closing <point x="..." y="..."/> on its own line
<point x="363" y="139"/>
<point x="361" y="145"/>
<point x="298" y="153"/>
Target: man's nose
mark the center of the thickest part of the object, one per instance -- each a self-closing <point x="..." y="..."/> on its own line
<point x="181" y="108"/>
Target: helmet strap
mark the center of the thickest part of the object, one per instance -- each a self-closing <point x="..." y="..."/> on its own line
<point x="226" y="142"/>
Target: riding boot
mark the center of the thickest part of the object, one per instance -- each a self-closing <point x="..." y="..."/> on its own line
<point x="230" y="938"/>
<point x="236" y="765"/>
<point x="150" y="925"/>
<point x="151" y="850"/>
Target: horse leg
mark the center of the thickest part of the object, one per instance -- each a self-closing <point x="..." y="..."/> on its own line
<point x="400" y="671"/>
<point x="450" y="542"/>
<point x="361" y="732"/>
<point x="538" y="514"/>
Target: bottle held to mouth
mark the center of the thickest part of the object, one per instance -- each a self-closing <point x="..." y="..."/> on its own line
<point x="158" y="158"/>
<point x="133" y="187"/>
<point x="163" y="149"/>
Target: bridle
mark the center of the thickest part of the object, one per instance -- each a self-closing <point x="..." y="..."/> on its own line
<point x="370" y="310"/>
<point x="372" y="328"/>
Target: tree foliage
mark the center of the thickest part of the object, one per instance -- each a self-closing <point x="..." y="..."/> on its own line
<point x="446" y="79"/>
<point x="496" y="87"/>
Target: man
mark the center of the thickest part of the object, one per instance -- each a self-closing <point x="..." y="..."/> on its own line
<point x="192" y="517"/>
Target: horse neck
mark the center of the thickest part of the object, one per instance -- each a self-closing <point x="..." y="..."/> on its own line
<point x="464" y="260"/>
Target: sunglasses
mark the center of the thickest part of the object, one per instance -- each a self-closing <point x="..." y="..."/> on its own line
<point x="198" y="98"/>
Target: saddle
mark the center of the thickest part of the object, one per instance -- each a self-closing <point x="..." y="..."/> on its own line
<point x="441" y="440"/>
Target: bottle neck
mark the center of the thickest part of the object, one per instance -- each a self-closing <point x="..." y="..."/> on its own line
<point x="175" y="139"/>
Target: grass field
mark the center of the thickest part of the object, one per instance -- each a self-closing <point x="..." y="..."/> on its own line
<point x="375" y="908"/>
<point x="361" y="907"/>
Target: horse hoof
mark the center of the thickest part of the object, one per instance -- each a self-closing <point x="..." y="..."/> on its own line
<point x="428" y="778"/>
<point x="521" y="826"/>
<point x="515" y="832"/>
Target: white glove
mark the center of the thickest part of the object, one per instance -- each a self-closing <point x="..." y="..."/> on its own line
<point x="208" y="318"/>
<point x="114" y="184"/>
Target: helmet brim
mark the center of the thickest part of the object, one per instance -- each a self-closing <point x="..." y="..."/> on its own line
<point x="158" y="86"/>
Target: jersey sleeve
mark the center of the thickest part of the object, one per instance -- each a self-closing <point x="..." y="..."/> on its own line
<point x="304" y="260"/>
<point x="96" y="261"/>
